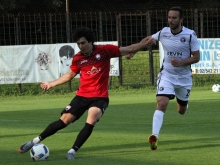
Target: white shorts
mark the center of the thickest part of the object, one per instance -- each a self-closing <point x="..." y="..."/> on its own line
<point x="174" y="86"/>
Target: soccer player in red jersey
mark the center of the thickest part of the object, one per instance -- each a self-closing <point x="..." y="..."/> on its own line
<point x="93" y="65"/>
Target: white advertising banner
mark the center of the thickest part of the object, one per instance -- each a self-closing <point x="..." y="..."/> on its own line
<point x="44" y="67"/>
<point x="15" y="64"/>
<point x="37" y="63"/>
<point x="209" y="56"/>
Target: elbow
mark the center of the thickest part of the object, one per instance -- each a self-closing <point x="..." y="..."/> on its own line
<point x="71" y="77"/>
<point x="196" y="60"/>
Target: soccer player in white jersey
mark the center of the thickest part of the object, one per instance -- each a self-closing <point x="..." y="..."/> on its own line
<point x="181" y="49"/>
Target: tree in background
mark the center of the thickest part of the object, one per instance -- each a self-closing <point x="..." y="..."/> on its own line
<point x="30" y="6"/>
<point x="46" y="6"/>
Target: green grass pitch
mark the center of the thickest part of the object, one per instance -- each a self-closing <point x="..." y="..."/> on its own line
<point x="120" y="137"/>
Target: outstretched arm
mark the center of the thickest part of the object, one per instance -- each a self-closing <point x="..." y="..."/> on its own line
<point x="63" y="79"/>
<point x="134" y="48"/>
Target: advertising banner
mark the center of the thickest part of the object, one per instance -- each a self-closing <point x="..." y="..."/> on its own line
<point x="209" y="56"/>
<point x="38" y="63"/>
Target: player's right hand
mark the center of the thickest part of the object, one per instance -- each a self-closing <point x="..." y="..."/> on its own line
<point x="129" y="56"/>
<point x="148" y="41"/>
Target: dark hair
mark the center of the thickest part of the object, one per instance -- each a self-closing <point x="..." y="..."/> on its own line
<point x="84" y="32"/>
<point x="177" y="8"/>
<point x="67" y="51"/>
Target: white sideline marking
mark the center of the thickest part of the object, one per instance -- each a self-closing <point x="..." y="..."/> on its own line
<point x="8" y="120"/>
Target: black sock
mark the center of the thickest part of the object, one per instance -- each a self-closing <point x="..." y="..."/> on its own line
<point x="52" y="128"/>
<point x="83" y="136"/>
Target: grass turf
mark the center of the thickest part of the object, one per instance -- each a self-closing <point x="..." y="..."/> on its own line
<point x="120" y="137"/>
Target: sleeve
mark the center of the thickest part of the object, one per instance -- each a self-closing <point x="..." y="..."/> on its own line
<point x="113" y="50"/>
<point x="194" y="42"/>
<point x="156" y="36"/>
<point x="74" y="67"/>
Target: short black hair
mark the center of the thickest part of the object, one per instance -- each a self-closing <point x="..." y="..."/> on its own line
<point x="67" y="51"/>
<point x="179" y="9"/>
<point x="84" y="32"/>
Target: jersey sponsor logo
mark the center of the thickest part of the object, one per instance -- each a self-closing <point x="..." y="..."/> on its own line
<point x="94" y="70"/>
<point x="174" y="54"/>
<point x="166" y="36"/>
<point x="83" y="61"/>
<point x="183" y="39"/>
<point x="67" y="107"/>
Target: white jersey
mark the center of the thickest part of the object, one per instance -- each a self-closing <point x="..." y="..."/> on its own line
<point x="177" y="46"/>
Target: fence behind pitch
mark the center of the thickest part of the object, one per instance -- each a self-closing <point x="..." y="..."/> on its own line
<point x="127" y="27"/>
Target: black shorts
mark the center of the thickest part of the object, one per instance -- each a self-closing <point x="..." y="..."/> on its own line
<point x="79" y="105"/>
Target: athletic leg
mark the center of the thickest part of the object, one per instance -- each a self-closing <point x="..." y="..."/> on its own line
<point x="95" y="112"/>
<point x="182" y="108"/>
<point x="162" y="103"/>
<point x="51" y="129"/>
<point x="94" y="115"/>
<point x="165" y="92"/>
<point x="182" y="97"/>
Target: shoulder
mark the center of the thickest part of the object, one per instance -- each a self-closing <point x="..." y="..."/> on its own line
<point x="189" y="31"/>
<point x="105" y="46"/>
<point x="165" y="32"/>
<point x="77" y="56"/>
<point x="166" y="29"/>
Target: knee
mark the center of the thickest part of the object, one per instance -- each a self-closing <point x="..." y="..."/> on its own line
<point x="92" y="121"/>
<point x="162" y="103"/>
<point x="94" y="114"/>
<point x="67" y="118"/>
<point x="162" y="106"/>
